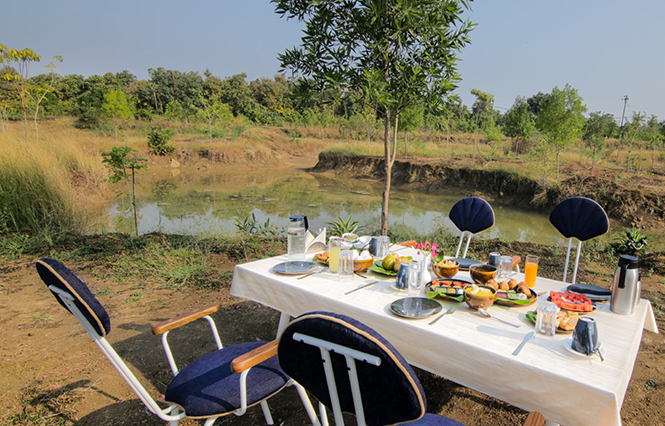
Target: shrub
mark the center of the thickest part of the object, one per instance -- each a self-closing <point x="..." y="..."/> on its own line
<point x="158" y="141"/>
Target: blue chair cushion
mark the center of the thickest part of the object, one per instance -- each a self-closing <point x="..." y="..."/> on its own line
<point x="207" y="387"/>
<point x="434" y="420"/>
<point x="580" y="217"/>
<point x="54" y="273"/>
<point x="472" y="214"/>
<point x="391" y="392"/>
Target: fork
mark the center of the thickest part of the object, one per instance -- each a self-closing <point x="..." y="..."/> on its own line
<point x="449" y="311"/>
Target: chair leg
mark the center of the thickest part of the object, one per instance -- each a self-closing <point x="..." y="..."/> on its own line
<point x="174" y="412"/>
<point x="210" y="421"/>
<point x="577" y="261"/>
<point x="459" y="246"/>
<point x="307" y="403"/>
<point x="565" y="268"/>
<point x="324" y="415"/>
<point x="266" y="412"/>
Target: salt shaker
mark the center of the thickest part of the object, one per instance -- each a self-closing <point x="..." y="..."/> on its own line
<point x="546" y="318"/>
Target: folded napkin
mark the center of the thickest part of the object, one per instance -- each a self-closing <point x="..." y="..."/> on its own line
<point x="315" y="244"/>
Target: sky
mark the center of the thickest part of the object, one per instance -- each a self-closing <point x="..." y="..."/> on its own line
<point x="605" y="49"/>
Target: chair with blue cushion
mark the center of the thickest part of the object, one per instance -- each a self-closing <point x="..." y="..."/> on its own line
<point x="351" y="368"/>
<point x="228" y="380"/>
<point x="470" y="215"/>
<point x="580" y="218"/>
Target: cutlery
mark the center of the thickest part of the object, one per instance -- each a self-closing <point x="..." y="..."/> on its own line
<point x="486" y="314"/>
<point x="360" y="275"/>
<point x="449" y="311"/>
<point x="600" y="354"/>
<point x="314" y="272"/>
<point x="528" y="337"/>
<point x="362" y="286"/>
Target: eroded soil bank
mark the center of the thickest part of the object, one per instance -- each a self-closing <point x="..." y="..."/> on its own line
<point x="630" y="202"/>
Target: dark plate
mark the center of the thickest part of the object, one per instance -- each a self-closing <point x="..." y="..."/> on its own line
<point x="415" y="307"/>
<point x="465" y="263"/>
<point x="449" y="282"/>
<point x="516" y="303"/>
<point x="593" y="292"/>
<point x="294" y="268"/>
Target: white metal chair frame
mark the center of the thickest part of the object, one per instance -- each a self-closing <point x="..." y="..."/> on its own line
<point x="459" y="246"/>
<point x="351" y="356"/>
<point x="577" y="260"/>
<point x="170" y="414"/>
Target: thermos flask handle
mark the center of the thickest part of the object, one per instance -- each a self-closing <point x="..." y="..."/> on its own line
<point x="622" y="275"/>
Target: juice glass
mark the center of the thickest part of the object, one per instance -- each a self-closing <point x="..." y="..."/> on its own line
<point x="334" y="247"/>
<point x="531" y="270"/>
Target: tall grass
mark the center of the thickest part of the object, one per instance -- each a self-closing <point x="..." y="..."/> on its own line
<point x="42" y="184"/>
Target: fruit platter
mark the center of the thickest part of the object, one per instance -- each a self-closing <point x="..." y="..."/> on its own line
<point x="447" y="289"/>
<point x="565" y="320"/>
<point x="572" y="301"/>
<point x="512" y="293"/>
<point x="389" y="265"/>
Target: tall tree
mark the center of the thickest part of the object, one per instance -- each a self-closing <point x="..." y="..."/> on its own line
<point x="482" y="109"/>
<point x="394" y="53"/>
<point x="597" y="129"/>
<point x="518" y="122"/>
<point x="561" y="119"/>
<point x="19" y="78"/>
<point x="116" y="108"/>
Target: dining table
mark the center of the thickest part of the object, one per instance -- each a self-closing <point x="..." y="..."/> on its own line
<point x="474" y="351"/>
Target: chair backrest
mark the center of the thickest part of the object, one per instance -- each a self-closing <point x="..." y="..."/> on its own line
<point x="55" y="274"/>
<point x="73" y="294"/>
<point x="391" y="392"/>
<point x="472" y="214"/>
<point x="580" y="217"/>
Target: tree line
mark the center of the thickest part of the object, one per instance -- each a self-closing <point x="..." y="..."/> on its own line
<point x="190" y="98"/>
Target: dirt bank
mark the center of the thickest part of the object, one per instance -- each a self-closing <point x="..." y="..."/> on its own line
<point x="629" y="201"/>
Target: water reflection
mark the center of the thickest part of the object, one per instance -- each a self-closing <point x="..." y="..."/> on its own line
<point x="202" y="202"/>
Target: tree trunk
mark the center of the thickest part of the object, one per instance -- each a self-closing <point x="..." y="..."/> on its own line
<point x="388" y="168"/>
<point x="136" y="222"/>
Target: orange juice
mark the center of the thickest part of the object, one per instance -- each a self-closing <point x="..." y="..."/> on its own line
<point x="530" y="272"/>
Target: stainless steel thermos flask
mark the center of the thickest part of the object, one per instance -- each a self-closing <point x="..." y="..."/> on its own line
<point x="627" y="287"/>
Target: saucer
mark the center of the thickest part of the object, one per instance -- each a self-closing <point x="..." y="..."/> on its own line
<point x="568" y="344"/>
<point x="393" y="285"/>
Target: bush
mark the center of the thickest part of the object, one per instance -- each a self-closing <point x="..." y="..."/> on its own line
<point x="158" y="141"/>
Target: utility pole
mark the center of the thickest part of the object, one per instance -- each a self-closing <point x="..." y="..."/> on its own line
<point x="623" y="114"/>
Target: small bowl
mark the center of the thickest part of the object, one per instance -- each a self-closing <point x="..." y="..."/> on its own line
<point x="477" y="301"/>
<point x="445" y="271"/>
<point x="361" y="265"/>
<point x="482" y="273"/>
<point x="362" y="242"/>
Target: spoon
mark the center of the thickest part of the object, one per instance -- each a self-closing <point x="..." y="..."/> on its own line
<point x="449" y="311"/>
<point x="486" y="314"/>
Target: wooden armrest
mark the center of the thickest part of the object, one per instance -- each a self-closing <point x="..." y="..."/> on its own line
<point x="183" y="319"/>
<point x="516" y="260"/>
<point x="535" y="419"/>
<point x="254" y="357"/>
<point x="409" y="243"/>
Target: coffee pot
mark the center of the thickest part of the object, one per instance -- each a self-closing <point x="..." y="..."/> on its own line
<point x="627" y="287"/>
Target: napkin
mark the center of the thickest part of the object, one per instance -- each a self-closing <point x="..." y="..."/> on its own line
<point x="315" y="244"/>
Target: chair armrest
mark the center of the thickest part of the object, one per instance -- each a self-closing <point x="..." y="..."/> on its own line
<point x="409" y="243"/>
<point x="254" y="357"/>
<point x="535" y="419"/>
<point x="516" y="260"/>
<point x="181" y="320"/>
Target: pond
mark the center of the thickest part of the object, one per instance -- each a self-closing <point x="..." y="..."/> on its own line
<point x="207" y="202"/>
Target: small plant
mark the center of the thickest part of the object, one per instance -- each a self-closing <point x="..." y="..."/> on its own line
<point x="158" y="141"/>
<point x="631" y="241"/>
<point x="119" y="163"/>
<point x="341" y="226"/>
<point x="249" y="227"/>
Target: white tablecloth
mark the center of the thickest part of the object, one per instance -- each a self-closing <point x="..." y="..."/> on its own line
<point x="473" y="351"/>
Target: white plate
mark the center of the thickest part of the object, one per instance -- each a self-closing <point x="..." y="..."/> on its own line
<point x="568" y="344"/>
<point x="393" y="285"/>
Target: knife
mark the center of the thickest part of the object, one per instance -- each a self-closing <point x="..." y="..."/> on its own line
<point x="528" y="337"/>
<point x="362" y="286"/>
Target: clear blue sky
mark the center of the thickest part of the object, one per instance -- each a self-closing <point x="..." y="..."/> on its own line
<point x="605" y="49"/>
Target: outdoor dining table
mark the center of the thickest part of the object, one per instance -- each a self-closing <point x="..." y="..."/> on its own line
<point x="469" y="349"/>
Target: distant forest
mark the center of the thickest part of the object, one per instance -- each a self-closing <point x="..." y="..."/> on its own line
<point x="213" y="102"/>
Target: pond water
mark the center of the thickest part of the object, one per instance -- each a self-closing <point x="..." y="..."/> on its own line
<point x="206" y="202"/>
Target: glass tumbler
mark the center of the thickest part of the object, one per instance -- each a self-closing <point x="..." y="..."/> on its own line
<point x="531" y="270"/>
<point x="346" y="265"/>
<point x="414" y="282"/>
<point x="546" y="318"/>
<point x="334" y="247"/>
<point x="505" y="266"/>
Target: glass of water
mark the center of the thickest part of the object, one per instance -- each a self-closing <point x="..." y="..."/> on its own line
<point x="346" y="265"/>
